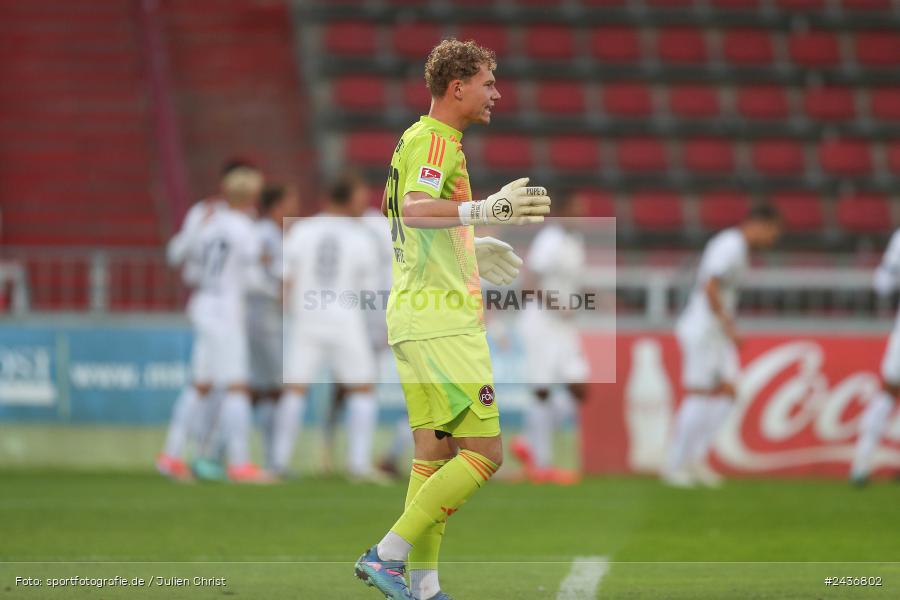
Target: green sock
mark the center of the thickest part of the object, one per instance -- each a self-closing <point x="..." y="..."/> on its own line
<point x="424" y="554"/>
<point x="442" y="494"/>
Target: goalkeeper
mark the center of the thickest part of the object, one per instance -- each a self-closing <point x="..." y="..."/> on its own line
<point x="435" y="315"/>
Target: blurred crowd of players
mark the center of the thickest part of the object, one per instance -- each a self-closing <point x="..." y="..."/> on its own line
<point x="261" y="339"/>
<point x="265" y="330"/>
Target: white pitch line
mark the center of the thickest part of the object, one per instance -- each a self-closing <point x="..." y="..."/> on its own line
<point x="583" y="579"/>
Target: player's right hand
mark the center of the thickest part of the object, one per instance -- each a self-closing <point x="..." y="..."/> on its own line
<point x="515" y="204"/>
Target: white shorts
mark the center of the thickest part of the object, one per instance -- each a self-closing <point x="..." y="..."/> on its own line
<point x="707" y="360"/>
<point x="553" y="352"/>
<point x="890" y="363"/>
<point x="347" y="354"/>
<point x="219" y="356"/>
<point x="265" y="337"/>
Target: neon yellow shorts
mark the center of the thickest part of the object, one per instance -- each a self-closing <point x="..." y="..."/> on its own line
<point x="449" y="385"/>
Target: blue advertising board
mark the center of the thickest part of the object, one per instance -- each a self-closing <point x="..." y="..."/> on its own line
<point x="130" y="373"/>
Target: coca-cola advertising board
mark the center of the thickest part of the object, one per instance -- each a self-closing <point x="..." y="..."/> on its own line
<point x="797" y="410"/>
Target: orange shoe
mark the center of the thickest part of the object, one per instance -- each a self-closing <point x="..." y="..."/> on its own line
<point x="250" y="473"/>
<point x="519" y="448"/>
<point x="560" y="476"/>
<point x="173" y="468"/>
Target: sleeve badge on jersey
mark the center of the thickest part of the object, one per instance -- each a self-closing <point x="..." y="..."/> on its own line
<point x="431" y="177"/>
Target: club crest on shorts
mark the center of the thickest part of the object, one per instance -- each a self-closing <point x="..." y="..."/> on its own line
<point x="486" y="395"/>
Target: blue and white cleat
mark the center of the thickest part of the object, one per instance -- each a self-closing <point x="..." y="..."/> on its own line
<point x="384" y="575"/>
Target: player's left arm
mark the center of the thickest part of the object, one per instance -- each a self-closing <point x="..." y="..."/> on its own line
<point x="714" y="300"/>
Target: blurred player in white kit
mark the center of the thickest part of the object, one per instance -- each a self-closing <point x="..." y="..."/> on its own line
<point x="709" y="346"/>
<point x="554" y="359"/>
<point x="329" y="261"/>
<point x="877" y="414"/>
<point x="195" y="411"/>
<point x="277" y="206"/>
<point x="228" y="253"/>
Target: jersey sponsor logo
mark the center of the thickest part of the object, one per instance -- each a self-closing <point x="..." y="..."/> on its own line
<point x="430" y="177"/>
<point x="486" y="395"/>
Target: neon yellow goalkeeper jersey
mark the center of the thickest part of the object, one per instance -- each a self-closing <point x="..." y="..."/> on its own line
<point x="436" y="289"/>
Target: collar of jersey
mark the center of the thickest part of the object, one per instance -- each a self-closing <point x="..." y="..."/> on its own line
<point x="441" y="126"/>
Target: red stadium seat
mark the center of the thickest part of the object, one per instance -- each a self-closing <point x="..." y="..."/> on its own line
<point x="721" y="209"/>
<point x="627" y="99"/>
<point x="763" y="102"/>
<point x="561" y="97"/>
<point x="814" y="49"/>
<point x="844" y="157"/>
<point x="800" y="211"/>
<point x="668" y="3"/>
<point x="748" y="47"/>
<point x="641" y="154"/>
<point x="359" y="92"/>
<point x="508" y="151"/>
<point x="370" y="148"/>
<point x="351" y="38"/>
<point x="415" y="40"/>
<point x="509" y="97"/>
<point x="604" y="2"/>
<point x="866" y="4"/>
<point x="778" y="157"/>
<point x="709" y="155"/>
<point x="550" y="42"/>
<point x="885" y="103"/>
<point x="735" y="4"/>
<point x="681" y="45"/>
<point x="694" y="100"/>
<point x="800" y="4"/>
<point x="598" y="203"/>
<point x="656" y="211"/>
<point x="616" y="44"/>
<point x="892" y="152"/>
<point x="489" y="35"/>
<point x="864" y="213"/>
<point x="574" y="153"/>
<point x="416" y="95"/>
<point x="830" y="103"/>
<point x="878" y="48"/>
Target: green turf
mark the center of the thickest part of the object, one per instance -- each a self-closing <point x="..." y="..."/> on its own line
<point x="752" y="539"/>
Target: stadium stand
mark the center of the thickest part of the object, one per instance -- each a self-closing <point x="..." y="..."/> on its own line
<point x="685" y="112"/>
<point x="86" y="175"/>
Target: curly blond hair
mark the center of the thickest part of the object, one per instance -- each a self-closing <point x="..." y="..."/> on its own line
<point x="453" y="59"/>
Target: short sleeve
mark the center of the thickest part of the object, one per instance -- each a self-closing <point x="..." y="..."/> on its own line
<point x="722" y="256"/>
<point x="428" y="163"/>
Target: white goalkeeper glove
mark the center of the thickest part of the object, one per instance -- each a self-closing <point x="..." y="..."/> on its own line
<point x="497" y="262"/>
<point x="514" y="204"/>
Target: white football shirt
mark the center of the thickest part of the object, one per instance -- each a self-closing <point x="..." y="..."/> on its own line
<point x="725" y="257"/>
<point x="330" y="261"/>
<point x="557" y="257"/>
<point x="887" y="275"/>
<point x="227" y="252"/>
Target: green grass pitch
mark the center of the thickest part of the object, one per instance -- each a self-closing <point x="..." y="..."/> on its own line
<point x="751" y="539"/>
